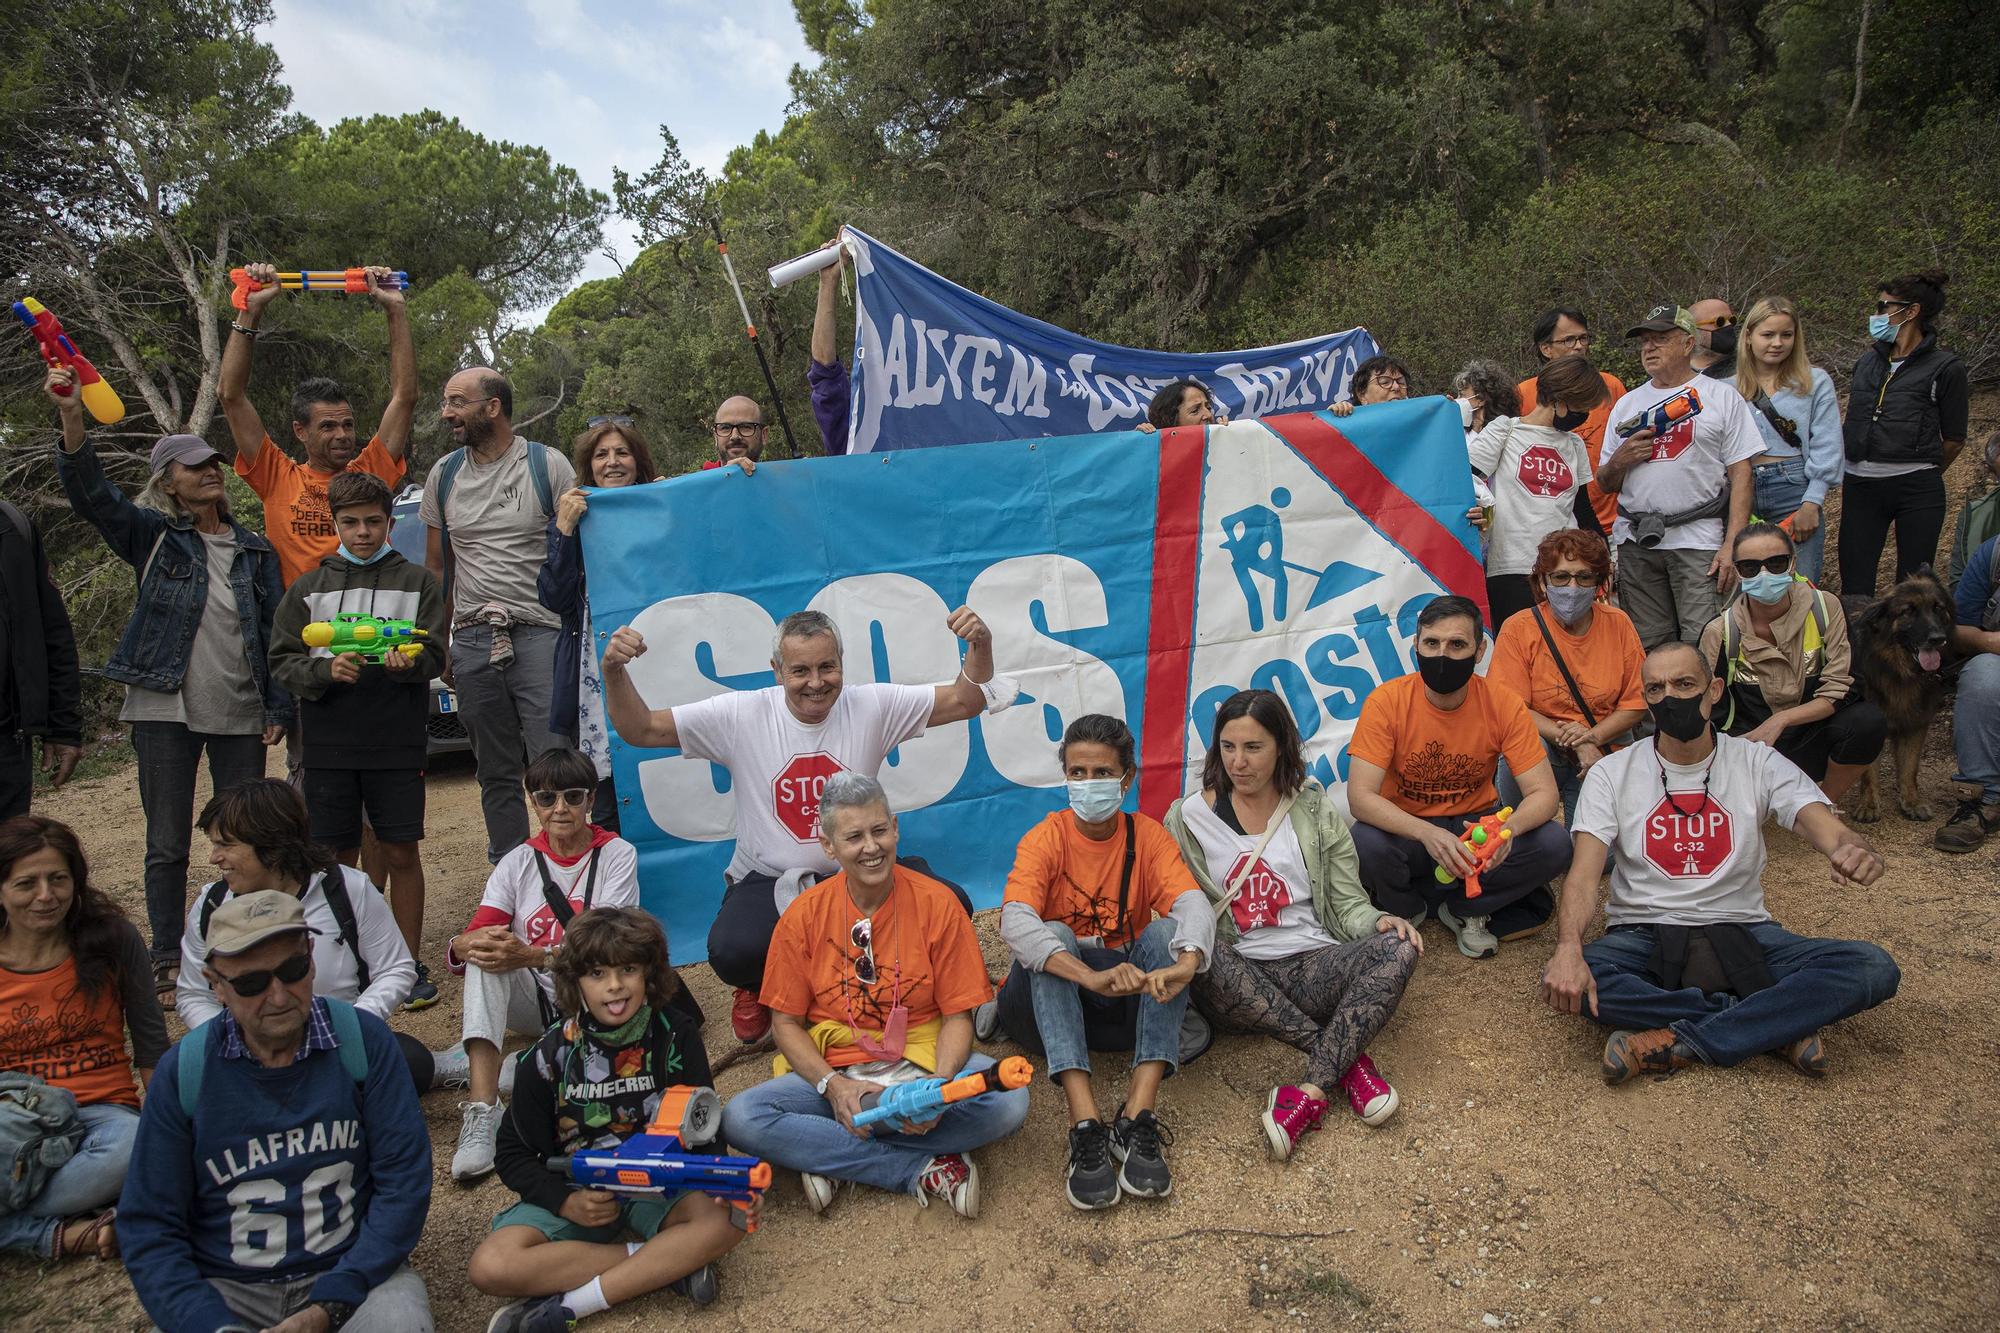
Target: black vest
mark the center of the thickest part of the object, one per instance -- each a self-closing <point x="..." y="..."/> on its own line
<point x="1894" y="418"/>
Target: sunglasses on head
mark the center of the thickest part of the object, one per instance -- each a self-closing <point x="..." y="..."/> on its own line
<point x="571" y="796"/>
<point x="1884" y="307"/>
<point x="862" y="937"/>
<point x="595" y="422"/>
<point x="252" y="984"/>
<point x="1773" y="564"/>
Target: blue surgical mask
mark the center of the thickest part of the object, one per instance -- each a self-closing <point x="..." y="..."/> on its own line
<point x="354" y="559"/>
<point x="1880" y="329"/>
<point x="1570" y="604"/>
<point x="1096" y="799"/>
<point x="1768" y="588"/>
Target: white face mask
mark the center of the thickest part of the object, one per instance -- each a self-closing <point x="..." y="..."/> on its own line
<point x="1096" y="799"/>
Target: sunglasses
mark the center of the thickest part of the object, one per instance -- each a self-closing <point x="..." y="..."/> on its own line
<point x="1776" y="564"/>
<point x="577" y="797"/>
<point x="1719" y="322"/>
<point x="252" y="984"/>
<point x="862" y="937"/>
<point x="595" y="422"/>
<point x="1884" y="307"/>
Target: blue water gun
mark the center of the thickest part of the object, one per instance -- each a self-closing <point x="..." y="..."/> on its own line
<point x="654" y="1163"/>
<point x="926" y="1098"/>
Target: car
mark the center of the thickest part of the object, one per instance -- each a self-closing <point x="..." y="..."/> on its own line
<point x="407" y="536"/>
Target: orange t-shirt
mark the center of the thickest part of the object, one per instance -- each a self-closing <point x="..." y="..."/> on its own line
<point x="64" y="1038"/>
<point x="1073" y="879"/>
<point x="1603" y="503"/>
<point x="1438" y="763"/>
<point x="927" y="959"/>
<point x="1605" y="662"/>
<point x="296" y="519"/>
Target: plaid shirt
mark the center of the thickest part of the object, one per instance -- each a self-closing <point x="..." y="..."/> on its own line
<point x="319" y="1034"/>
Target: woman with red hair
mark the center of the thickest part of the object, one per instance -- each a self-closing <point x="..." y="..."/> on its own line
<point x="1573" y="657"/>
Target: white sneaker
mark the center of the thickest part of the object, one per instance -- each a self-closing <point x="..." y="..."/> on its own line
<point x="1474" y="939"/>
<point x="954" y="1178"/>
<point x="476" y="1134"/>
<point x="819" y="1191"/>
<point x="450" y="1068"/>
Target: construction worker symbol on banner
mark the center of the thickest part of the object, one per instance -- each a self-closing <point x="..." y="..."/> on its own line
<point x="1254" y="538"/>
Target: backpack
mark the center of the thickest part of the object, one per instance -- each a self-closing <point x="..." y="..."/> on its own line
<point x="194" y="1052"/>
<point x="334" y="884"/>
<point x="1814" y="637"/>
<point x="39" y="1131"/>
<point x="447" y="473"/>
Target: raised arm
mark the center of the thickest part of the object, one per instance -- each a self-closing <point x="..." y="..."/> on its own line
<point x="394" y="432"/>
<point x="963" y="698"/>
<point x="128" y="530"/>
<point x="245" y="426"/>
<point x="635" y="723"/>
<point x="824" y="349"/>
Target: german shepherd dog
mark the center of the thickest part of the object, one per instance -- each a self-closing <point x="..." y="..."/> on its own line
<point x="1901" y="646"/>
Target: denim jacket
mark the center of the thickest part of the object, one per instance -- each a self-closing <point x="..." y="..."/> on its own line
<point x="153" y="651"/>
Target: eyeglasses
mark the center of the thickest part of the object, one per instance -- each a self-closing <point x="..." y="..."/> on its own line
<point x="743" y="428"/>
<point x="1576" y="342"/>
<point x="595" y="422"/>
<point x="456" y="404"/>
<point x="574" y="797"/>
<point x="290" y="972"/>
<point x="1562" y="578"/>
<point x="1719" y="322"/>
<point x="1389" y="382"/>
<point x="1775" y="564"/>
<point x="862" y="937"/>
<point x="1884" y="307"/>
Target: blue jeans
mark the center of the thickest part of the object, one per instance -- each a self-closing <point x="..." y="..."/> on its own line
<point x="1780" y="488"/>
<point x="83" y="1184"/>
<point x="1562" y="765"/>
<point x="1059" y="1018"/>
<point x="1975" y="725"/>
<point x="785" y="1122"/>
<point x="168" y="755"/>
<point x="1818" y="982"/>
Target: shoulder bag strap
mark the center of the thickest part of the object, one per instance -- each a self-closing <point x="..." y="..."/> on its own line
<point x="193" y="1059"/>
<point x="1787" y="430"/>
<point x="1125" y="875"/>
<point x="334" y="885"/>
<point x="550" y="894"/>
<point x="1562" y="666"/>
<point x="347" y="1032"/>
<point x="1237" y="881"/>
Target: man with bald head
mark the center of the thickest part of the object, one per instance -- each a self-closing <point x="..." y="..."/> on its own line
<point x="1714" y="338"/>
<point x="739" y="431"/>
<point x="487" y="505"/>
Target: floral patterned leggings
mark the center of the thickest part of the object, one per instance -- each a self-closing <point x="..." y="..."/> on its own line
<point x="1328" y="1002"/>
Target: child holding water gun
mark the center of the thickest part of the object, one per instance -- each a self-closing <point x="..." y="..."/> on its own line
<point x="590" y="1082"/>
<point x="366" y="743"/>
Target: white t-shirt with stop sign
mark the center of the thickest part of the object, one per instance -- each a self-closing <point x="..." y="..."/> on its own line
<point x="1534" y="472"/>
<point x="777" y="764"/>
<point x="1679" y="857"/>
<point x="1690" y="461"/>
<point x="1274" y="912"/>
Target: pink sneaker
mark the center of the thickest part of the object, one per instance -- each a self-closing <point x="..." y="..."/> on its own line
<point x="1368" y="1092"/>
<point x="1289" y="1115"/>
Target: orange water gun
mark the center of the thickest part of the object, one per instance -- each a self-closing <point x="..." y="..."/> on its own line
<point x="926" y="1098"/>
<point x="1685" y="404"/>
<point x="655" y="1164"/>
<point x="99" y="398"/>
<point x="310" y="280"/>
<point x="1482" y="842"/>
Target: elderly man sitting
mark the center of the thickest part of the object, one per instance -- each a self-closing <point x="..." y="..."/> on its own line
<point x="1693" y="969"/>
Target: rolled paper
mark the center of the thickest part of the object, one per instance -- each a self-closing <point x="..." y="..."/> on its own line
<point x="793" y="269"/>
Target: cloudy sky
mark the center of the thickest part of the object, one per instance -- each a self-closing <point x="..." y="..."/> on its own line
<point x="589" y="80"/>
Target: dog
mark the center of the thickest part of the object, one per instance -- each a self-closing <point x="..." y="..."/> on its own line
<point x="1901" y="646"/>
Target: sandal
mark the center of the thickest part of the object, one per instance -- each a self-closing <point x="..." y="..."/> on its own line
<point x="99" y="1239"/>
<point x="166" y="979"/>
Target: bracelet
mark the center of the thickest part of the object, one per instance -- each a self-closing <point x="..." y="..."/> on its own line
<point x="244" y="329"/>
<point x="337" y="1313"/>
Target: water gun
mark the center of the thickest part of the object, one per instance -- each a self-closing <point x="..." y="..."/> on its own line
<point x="352" y="632"/>
<point x="653" y="1164"/>
<point x="99" y="398"/>
<point x="1685" y="404"/>
<point x="1482" y="842"/>
<point x="926" y="1098"/>
<point x="311" y="280"/>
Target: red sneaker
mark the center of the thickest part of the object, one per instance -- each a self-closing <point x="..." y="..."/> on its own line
<point x="1290" y="1113"/>
<point x="749" y="1019"/>
<point x="1368" y="1092"/>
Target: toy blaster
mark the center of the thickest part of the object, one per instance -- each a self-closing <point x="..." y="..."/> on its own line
<point x="653" y="1163"/>
<point x="1685" y="404"/>
<point x="352" y="632"/>
<point x="310" y="280"/>
<point x="1482" y="842"/>
<point x="99" y="398"/>
<point x="926" y="1098"/>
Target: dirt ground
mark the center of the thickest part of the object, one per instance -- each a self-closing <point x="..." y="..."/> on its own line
<point x="1512" y="1190"/>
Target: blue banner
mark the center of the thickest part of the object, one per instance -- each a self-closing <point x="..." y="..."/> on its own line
<point x="1145" y="576"/>
<point x="937" y="364"/>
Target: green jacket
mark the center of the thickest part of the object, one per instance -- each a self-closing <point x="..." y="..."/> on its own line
<point x="1326" y="841"/>
<point x="1979" y="520"/>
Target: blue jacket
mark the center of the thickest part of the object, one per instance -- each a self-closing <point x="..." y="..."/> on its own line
<point x="153" y="651"/>
<point x="560" y="588"/>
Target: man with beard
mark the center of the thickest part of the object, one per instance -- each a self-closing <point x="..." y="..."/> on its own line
<point x="296" y="519"/>
<point x="487" y="504"/>
<point x="739" y="429"/>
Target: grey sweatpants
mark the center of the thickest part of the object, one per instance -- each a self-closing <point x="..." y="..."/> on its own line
<point x="400" y="1305"/>
<point x="1668" y="594"/>
<point x="506" y="711"/>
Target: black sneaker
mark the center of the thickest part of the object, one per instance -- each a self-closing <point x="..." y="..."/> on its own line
<point x="422" y="995"/>
<point x="698" y="1286"/>
<point x="1093" y="1179"/>
<point x="1140" y="1143"/>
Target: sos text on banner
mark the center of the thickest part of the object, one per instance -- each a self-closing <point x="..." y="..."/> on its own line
<point x="937" y="364"/>
<point x="1145" y="576"/>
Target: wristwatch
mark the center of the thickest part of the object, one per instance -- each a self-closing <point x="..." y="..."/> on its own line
<point x="821" y="1086"/>
<point x="337" y="1312"/>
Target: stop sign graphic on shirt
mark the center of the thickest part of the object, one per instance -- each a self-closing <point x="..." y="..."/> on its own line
<point x="1544" y="472"/>
<point x="795" y="792"/>
<point x="1673" y="441"/>
<point x="1264" y="892"/>
<point x="1686" y="845"/>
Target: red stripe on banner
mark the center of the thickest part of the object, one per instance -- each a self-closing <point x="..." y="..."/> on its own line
<point x="1170" y="636"/>
<point x="1399" y="518"/>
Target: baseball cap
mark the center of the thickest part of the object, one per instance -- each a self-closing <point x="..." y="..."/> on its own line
<point x="1661" y="319"/>
<point x="187" y="450"/>
<point x="241" y="924"/>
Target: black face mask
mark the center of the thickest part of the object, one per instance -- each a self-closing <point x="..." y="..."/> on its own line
<point x="1679" y="718"/>
<point x="1446" y="675"/>
<point x="1570" y="420"/>
<point x="1722" y="342"/>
